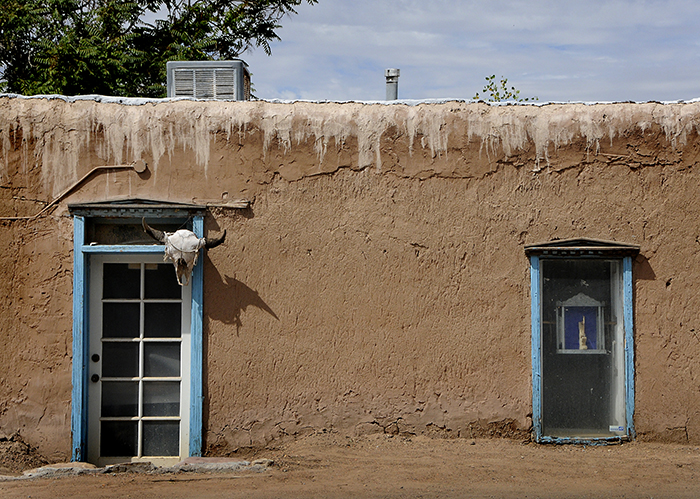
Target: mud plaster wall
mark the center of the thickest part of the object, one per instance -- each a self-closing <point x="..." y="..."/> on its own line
<point x="378" y="281"/>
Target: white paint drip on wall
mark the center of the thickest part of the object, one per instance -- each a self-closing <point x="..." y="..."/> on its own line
<point x="62" y="129"/>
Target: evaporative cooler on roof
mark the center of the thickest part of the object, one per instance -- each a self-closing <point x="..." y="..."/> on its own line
<point x="221" y="80"/>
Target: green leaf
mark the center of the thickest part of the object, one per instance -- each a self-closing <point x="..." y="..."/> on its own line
<point x="502" y="93"/>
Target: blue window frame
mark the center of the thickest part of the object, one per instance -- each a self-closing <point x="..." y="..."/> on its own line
<point x="559" y="276"/>
<point x="81" y="272"/>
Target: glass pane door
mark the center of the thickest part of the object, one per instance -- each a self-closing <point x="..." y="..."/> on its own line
<point x="582" y="338"/>
<point x="139" y="352"/>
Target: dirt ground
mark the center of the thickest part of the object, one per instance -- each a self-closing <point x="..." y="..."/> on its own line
<point x="383" y="466"/>
<point x="16" y="455"/>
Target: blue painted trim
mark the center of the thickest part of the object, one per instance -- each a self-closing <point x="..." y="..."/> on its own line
<point x="536" y="346"/>
<point x="582" y="441"/>
<point x="79" y="404"/>
<point x="535" y="313"/>
<point x="80" y="347"/>
<point x="196" y="387"/>
<point x="103" y="248"/>
<point x="628" y="302"/>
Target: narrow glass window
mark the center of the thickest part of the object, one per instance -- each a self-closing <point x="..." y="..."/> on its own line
<point x="582" y="341"/>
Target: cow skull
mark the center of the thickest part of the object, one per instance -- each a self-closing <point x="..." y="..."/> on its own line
<point x="182" y="248"/>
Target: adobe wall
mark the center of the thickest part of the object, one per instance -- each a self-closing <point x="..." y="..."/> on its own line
<point x="378" y="280"/>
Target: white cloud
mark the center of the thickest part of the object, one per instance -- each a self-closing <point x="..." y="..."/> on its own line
<point x="595" y="50"/>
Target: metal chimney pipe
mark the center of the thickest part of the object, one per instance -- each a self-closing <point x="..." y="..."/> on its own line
<point x="392" y="83"/>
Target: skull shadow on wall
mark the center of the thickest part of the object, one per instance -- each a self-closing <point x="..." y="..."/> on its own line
<point x="227" y="297"/>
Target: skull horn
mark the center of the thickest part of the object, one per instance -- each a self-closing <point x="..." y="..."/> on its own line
<point x="154" y="233"/>
<point x="213" y="242"/>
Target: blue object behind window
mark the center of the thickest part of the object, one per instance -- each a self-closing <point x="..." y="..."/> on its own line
<point x="572" y="317"/>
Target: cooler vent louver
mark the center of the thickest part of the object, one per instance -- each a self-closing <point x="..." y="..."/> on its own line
<point x="222" y="80"/>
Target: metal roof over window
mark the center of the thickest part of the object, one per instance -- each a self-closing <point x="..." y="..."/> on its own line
<point x="137" y="208"/>
<point x="582" y="247"/>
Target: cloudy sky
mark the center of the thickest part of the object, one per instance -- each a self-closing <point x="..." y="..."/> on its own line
<point x="557" y="50"/>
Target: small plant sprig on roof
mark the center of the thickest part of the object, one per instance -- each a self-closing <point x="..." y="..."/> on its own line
<point x="502" y="93"/>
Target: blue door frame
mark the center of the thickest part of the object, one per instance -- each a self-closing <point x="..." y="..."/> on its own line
<point x="536" y="317"/>
<point x="81" y="271"/>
